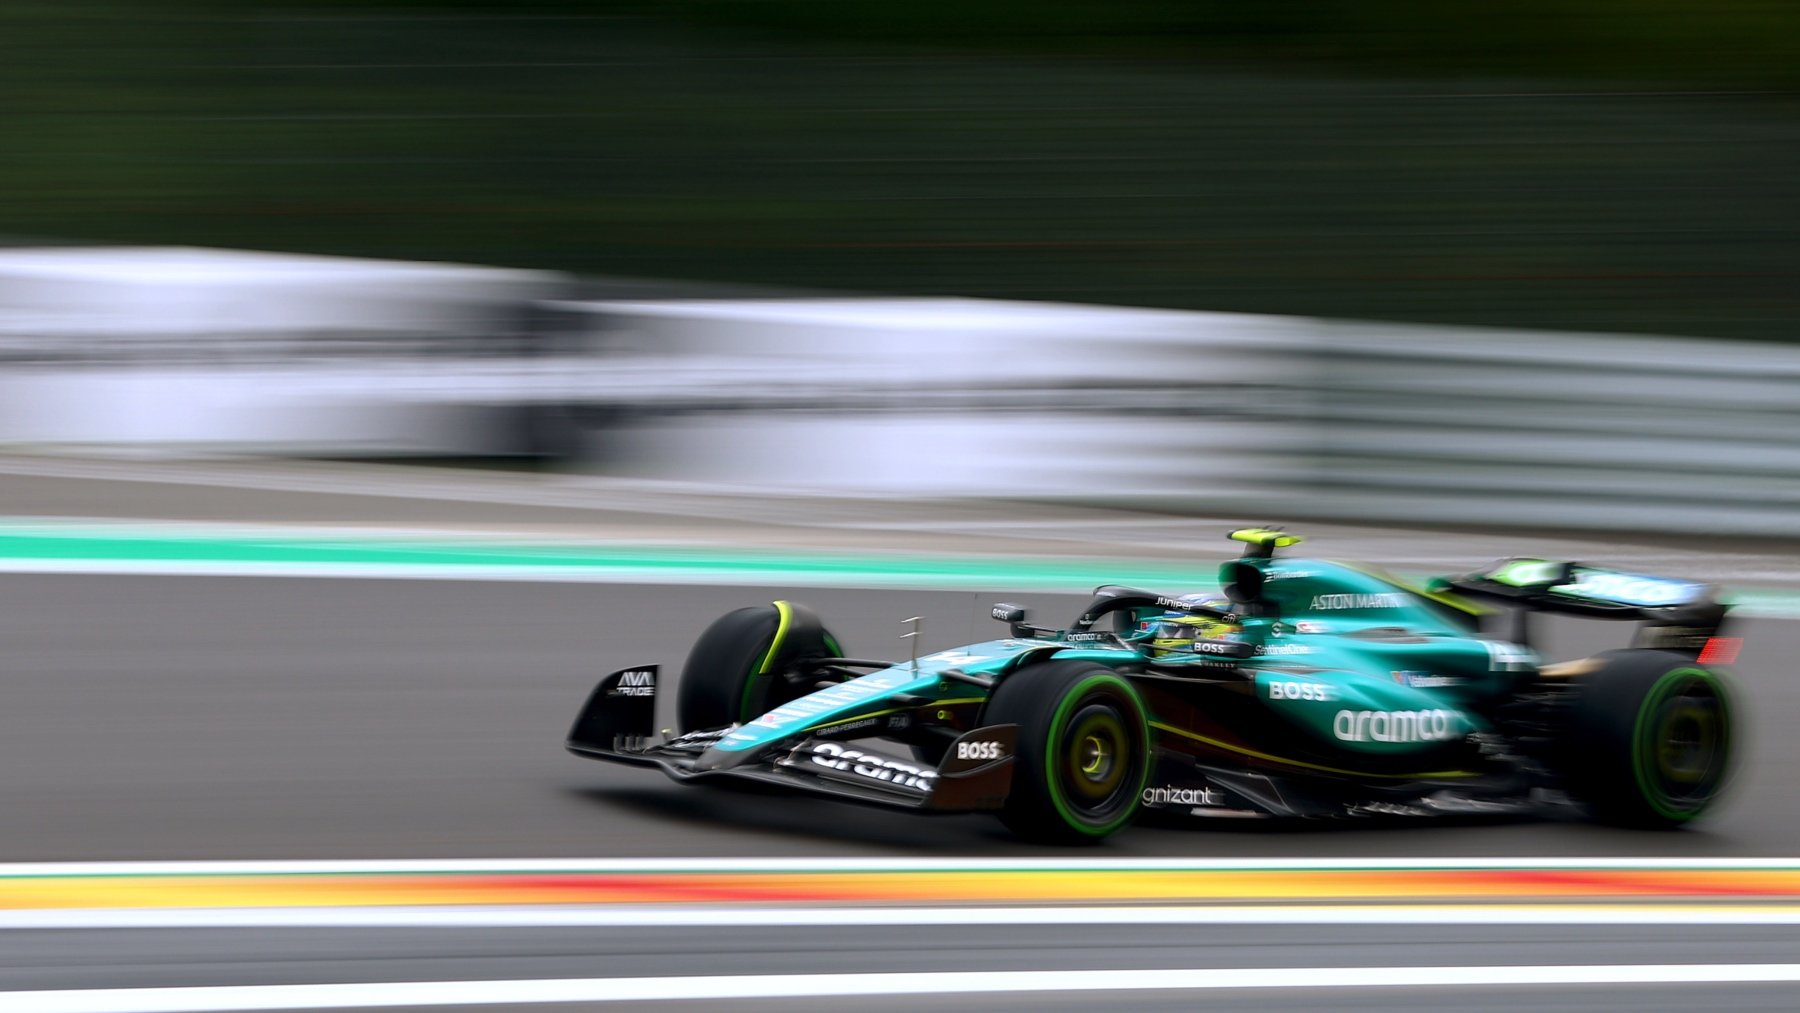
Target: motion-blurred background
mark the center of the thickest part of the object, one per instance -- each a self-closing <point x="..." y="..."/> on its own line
<point x="540" y="332"/>
<point x="1417" y="246"/>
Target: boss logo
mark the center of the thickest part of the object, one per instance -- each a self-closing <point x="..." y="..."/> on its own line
<point x="1216" y="647"/>
<point x="1301" y="691"/>
<point x="978" y="751"/>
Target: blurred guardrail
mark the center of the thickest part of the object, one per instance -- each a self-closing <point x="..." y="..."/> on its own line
<point x="1198" y="412"/>
<point x="176" y="349"/>
<point x="1259" y="416"/>
<point x="1564" y="430"/>
<point x="949" y="397"/>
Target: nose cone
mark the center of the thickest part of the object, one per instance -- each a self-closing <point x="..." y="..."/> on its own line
<point x="717" y="758"/>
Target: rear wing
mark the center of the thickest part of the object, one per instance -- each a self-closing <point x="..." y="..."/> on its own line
<point x="1678" y="615"/>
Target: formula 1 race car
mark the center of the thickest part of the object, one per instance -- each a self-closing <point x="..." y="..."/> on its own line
<point x="1311" y="689"/>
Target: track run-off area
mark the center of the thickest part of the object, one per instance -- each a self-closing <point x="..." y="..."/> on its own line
<point x="967" y="932"/>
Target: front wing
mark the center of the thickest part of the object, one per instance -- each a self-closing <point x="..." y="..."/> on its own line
<point x="618" y="724"/>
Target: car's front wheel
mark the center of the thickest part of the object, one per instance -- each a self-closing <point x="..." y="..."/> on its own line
<point x="737" y="669"/>
<point x="1083" y="752"/>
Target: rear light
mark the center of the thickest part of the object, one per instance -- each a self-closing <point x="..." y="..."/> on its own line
<point x="1721" y="650"/>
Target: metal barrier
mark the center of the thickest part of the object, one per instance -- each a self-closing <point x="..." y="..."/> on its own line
<point x="1563" y="430"/>
<point x="183" y="350"/>
<point x="1196" y="412"/>
<point x="1257" y="416"/>
<point x="952" y="397"/>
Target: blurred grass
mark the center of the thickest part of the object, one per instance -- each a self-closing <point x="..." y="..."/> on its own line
<point x="1584" y="165"/>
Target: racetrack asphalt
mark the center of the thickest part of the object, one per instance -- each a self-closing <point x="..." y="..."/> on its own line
<point x="236" y="718"/>
<point x="221" y="717"/>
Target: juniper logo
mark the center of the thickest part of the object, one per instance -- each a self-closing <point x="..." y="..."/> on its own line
<point x="1396" y="726"/>
<point x="1334" y="602"/>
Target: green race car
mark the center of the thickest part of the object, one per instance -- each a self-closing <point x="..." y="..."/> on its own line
<point x="1309" y="689"/>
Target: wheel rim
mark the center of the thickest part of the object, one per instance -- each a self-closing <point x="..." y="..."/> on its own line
<point x="1683" y="758"/>
<point x="1095" y="762"/>
<point x="1688" y="741"/>
<point x="1097" y="757"/>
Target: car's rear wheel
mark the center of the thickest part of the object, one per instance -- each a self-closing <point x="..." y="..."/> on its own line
<point x="738" y="667"/>
<point x="1649" y="738"/>
<point x="1083" y="750"/>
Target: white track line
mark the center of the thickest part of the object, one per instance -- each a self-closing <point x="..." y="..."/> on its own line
<point x="583" y="574"/>
<point x="1621" y="913"/>
<point x="216" y="999"/>
<point x="601" y="573"/>
<point x="788" y="865"/>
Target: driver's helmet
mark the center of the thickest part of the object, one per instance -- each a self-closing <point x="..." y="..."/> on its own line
<point x="1177" y="631"/>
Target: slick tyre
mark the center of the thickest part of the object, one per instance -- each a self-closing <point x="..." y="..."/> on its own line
<point x="1083" y="751"/>
<point x="1649" y="739"/>
<point x="738" y="668"/>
